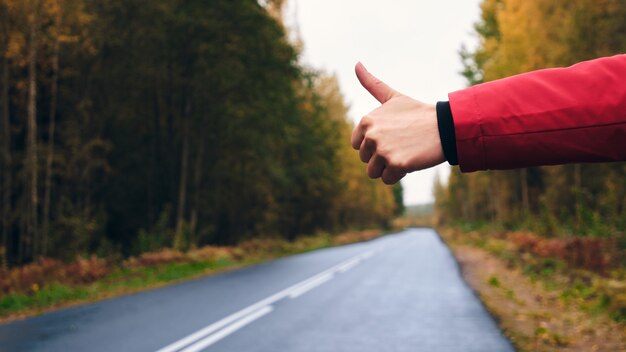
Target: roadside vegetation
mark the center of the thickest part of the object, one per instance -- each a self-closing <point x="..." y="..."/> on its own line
<point x="49" y="283"/>
<point x="127" y="127"/>
<point x="143" y="142"/>
<point x="547" y="294"/>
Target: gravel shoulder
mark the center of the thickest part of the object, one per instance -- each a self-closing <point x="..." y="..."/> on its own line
<point x="535" y="318"/>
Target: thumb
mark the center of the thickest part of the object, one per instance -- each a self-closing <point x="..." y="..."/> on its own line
<point x="376" y="87"/>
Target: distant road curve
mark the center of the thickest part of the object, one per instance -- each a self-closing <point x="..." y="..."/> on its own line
<point x="401" y="292"/>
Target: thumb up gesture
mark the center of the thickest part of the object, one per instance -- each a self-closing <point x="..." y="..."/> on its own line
<point x="399" y="137"/>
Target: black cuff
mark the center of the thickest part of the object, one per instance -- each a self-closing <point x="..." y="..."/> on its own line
<point x="446" y="131"/>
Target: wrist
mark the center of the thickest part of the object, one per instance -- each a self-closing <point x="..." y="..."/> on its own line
<point x="447" y="135"/>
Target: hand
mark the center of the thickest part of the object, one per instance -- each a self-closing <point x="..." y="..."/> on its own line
<point x="399" y="137"/>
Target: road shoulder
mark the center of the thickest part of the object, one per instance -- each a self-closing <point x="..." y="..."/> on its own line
<point x="533" y="318"/>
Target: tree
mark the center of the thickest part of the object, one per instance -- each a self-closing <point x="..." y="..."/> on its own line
<point x="167" y="123"/>
<point x="518" y="36"/>
<point x="6" y="134"/>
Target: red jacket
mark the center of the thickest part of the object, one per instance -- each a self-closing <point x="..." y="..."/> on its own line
<point x="552" y="116"/>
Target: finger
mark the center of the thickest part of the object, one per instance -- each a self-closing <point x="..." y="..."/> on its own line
<point x="376" y="87"/>
<point x="357" y="136"/>
<point x="366" y="150"/>
<point x="390" y="176"/>
<point x="375" y="167"/>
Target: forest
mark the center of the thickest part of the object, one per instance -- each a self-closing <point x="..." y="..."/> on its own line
<point x="131" y="126"/>
<point x="543" y="247"/>
<point x="517" y="36"/>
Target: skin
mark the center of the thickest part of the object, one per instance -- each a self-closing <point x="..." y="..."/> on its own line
<point x="399" y="137"/>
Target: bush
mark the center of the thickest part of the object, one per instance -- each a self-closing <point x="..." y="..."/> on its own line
<point x="32" y="277"/>
<point x="163" y="256"/>
<point x="351" y="237"/>
<point x="596" y="254"/>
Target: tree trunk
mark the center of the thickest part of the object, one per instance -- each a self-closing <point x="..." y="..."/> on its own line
<point x="31" y="142"/>
<point x="578" y="196"/>
<point x="182" y="189"/>
<point x="216" y="176"/>
<point x="154" y="157"/>
<point x="493" y="196"/>
<point x="196" y="186"/>
<point x="524" y="186"/>
<point x="23" y="226"/>
<point x="50" y="156"/>
<point x="6" y="161"/>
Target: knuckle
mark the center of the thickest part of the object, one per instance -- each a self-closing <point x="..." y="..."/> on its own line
<point x="370" y="139"/>
<point x="372" y="132"/>
<point x="397" y="163"/>
<point x="364" y="155"/>
<point x="366" y="121"/>
<point x="388" y="181"/>
<point x="388" y="178"/>
<point x="356" y="138"/>
<point x="384" y="153"/>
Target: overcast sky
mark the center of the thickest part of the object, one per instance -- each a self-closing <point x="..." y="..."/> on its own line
<point x="412" y="45"/>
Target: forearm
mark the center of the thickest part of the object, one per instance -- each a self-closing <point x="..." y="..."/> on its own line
<point x="554" y="116"/>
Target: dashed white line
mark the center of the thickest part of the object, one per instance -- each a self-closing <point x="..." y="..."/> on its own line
<point x="226" y="326"/>
<point x="349" y="265"/>
<point x="367" y="255"/>
<point x="211" y="339"/>
<point x="310" y="285"/>
<point x="212" y="328"/>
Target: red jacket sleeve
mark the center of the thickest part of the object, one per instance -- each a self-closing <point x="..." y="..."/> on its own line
<point x="552" y="116"/>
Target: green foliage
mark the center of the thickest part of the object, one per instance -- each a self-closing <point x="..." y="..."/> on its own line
<point x="518" y="36"/>
<point x="544" y="267"/>
<point x="493" y="281"/>
<point x="619" y="315"/>
<point x="57" y="285"/>
<point x="549" y="262"/>
<point x="46" y="297"/>
<point x="178" y="123"/>
<point x="398" y="197"/>
<point x="158" y="237"/>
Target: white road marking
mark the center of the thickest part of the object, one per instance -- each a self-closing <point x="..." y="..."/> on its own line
<point x="212" y="328"/>
<point x="349" y="265"/>
<point x="211" y="339"/>
<point x="242" y="315"/>
<point x="367" y="255"/>
<point x="310" y="285"/>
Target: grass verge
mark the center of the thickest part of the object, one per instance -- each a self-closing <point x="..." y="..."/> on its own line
<point x="542" y="298"/>
<point x="47" y="284"/>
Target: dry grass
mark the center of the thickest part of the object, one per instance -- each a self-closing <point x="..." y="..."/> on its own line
<point x="35" y="275"/>
<point x="596" y="254"/>
<point x="547" y="294"/>
<point x="49" y="283"/>
<point x="355" y="236"/>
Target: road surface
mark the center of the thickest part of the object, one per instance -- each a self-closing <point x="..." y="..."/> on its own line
<point x="401" y="292"/>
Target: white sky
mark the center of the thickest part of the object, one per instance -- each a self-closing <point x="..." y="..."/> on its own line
<point x="412" y="45"/>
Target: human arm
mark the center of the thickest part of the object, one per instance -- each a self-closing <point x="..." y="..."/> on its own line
<point x="554" y="116"/>
<point x="399" y="137"/>
<point x="545" y="117"/>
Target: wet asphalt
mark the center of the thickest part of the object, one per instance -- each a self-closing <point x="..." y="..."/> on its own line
<point x="401" y="292"/>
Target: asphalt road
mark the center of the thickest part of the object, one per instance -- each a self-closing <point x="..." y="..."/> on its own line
<point x="402" y="292"/>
